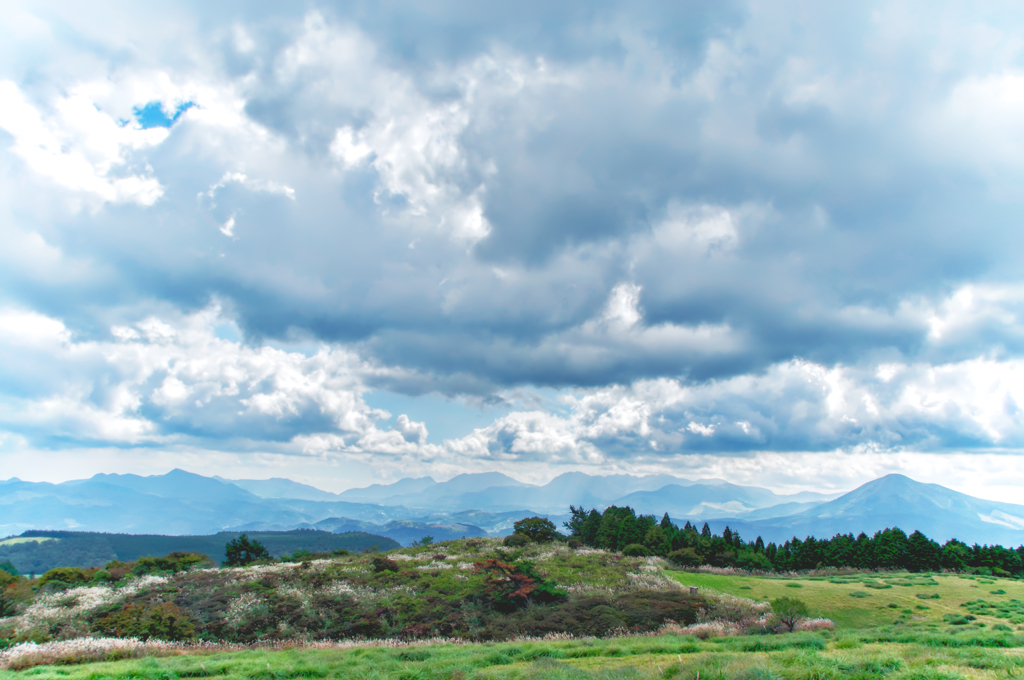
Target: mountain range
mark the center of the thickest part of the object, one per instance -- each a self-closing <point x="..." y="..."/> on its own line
<point x="181" y="502"/>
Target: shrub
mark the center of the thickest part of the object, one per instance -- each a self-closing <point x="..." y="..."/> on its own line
<point x="173" y="562"/>
<point x="537" y="529"/>
<point x="599" y="615"/>
<point x="103" y="576"/>
<point x="161" y="620"/>
<point x="510" y="586"/>
<point x="6" y="602"/>
<point x="789" y="611"/>
<point x="927" y="596"/>
<point x="859" y="594"/>
<point x="62" y="577"/>
<point x="575" y="543"/>
<point x="686" y="557"/>
<point x="383" y="564"/>
<point x="9" y="568"/>
<point x="516" y="540"/>
<point x="635" y="550"/>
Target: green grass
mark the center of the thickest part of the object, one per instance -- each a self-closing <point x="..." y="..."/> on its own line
<point x="891" y="626"/>
<point x="831" y="598"/>
<point x="800" y="656"/>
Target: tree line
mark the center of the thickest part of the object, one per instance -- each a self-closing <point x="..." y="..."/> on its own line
<point x="620" y="528"/>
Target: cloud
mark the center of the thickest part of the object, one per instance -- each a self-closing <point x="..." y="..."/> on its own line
<point x="167" y="381"/>
<point x="81" y="149"/>
<point x="728" y="229"/>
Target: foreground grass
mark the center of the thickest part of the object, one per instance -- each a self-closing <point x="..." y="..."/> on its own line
<point x="800" y="656"/>
<point x="871" y="600"/>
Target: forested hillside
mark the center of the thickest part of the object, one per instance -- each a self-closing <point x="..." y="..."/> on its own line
<point x="622" y="529"/>
<point x="49" y="549"/>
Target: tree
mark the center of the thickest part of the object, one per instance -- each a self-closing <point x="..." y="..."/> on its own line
<point x="608" y="532"/>
<point x="631" y="530"/>
<point x="705" y="532"/>
<point x="591" y="527"/>
<point x="923" y="554"/>
<point x="537" y="529"/>
<point x="577" y="522"/>
<point x="656" y="541"/>
<point x="426" y="540"/>
<point x="789" y="611"/>
<point x="242" y="551"/>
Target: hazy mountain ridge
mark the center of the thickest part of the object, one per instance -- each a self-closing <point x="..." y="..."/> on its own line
<point x="489" y="503"/>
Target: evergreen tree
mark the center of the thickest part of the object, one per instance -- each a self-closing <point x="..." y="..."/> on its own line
<point x="608" y="533"/>
<point x="632" y="530"/>
<point x="576" y="521"/>
<point x="705" y="532"/>
<point x="591" y="527"/>
<point x="656" y="541"/>
<point x="242" y="551"/>
<point x="923" y="554"/>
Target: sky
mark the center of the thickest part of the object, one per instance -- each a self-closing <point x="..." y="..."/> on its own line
<point x="346" y="243"/>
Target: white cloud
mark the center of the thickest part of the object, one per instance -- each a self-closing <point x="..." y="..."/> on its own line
<point x="228" y="228"/>
<point x="80" y="147"/>
<point x="192" y="378"/>
<point x="31" y="329"/>
<point x="252" y="184"/>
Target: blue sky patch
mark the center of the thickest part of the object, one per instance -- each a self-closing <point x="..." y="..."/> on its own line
<point x="153" y="114"/>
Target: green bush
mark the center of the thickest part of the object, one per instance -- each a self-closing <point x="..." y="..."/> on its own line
<point x="383" y="564"/>
<point x="789" y="611"/>
<point x="600" y="615"/>
<point x="685" y="557"/>
<point x="161" y="620"/>
<point x="635" y="550"/>
<point x="859" y="594"/>
<point x="173" y="562"/>
<point x="64" y="577"/>
<point x="516" y="541"/>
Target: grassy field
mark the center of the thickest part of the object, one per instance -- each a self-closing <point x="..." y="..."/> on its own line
<point x="891" y="626"/>
<point x="872" y="600"/>
<point x="802" y="656"/>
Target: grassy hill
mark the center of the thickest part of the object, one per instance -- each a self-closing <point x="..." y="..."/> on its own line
<point x="469" y="589"/>
<point x="474" y="608"/>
